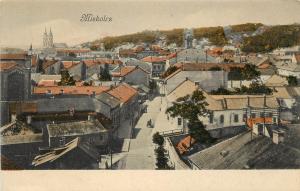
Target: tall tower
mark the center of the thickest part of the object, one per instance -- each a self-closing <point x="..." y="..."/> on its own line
<point x="188" y="38"/>
<point x="50" y="39"/>
<point x="45" y="39"/>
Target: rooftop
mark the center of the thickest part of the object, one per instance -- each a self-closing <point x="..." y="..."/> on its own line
<point x="75" y="90"/>
<point x="18" y="56"/>
<point x="75" y="128"/>
<point x="108" y="99"/>
<point x="57" y="153"/>
<point x="243" y="152"/>
<point x="5" y="66"/>
<point x="123" y="92"/>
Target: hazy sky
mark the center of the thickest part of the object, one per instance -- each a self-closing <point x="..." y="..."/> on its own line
<point x="23" y="22"/>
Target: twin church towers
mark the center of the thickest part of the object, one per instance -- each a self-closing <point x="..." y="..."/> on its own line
<point x="48" y="39"/>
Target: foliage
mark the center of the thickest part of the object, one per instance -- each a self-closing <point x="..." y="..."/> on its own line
<point x="221" y="91"/>
<point x="215" y="35"/>
<point x="274" y="37"/>
<point x="169" y="71"/>
<point x="161" y="159"/>
<point x="247" y="27"/>
<point x="104" y="73"/>
<point x="158" y="139"/>
<point x="254" y="88"/>
<point x="249" y="72"/>
<point x="174" y="36"/>
<point x="112" y="42"/>
<point x="235" y="73"/>
<point x="88" y="83"/>
<point x="198" y="132"/>
<point x="66" y="79"/>
<point x="190" y="107"/>
<point x="72" y="54"/>
<point x="292" y="80"/>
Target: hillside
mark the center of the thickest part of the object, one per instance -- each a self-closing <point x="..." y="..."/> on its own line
<point x="274" y="37"/>
<point x="271" y="38"/>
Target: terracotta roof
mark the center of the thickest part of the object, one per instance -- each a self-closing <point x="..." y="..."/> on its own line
<point x="34" y="60"/>
<point x="19" y="56"/>
<point x="25" y="107"/>
<point x="48" y="63"/>
<point x="172" y="55"/>
<point x="70" y="64"/>
<point x="48" y="83"/>
<point x="124" y="52"/>
<point x="184" y="144"/>
<point x="297" y="56"/>
<point x="206" y="66"/>
<point x="126" y="70"/>
<point x="154" y="59"/>
<point x="123" y="92"/>
<point x="7" y="65"/>
<point x="75" y="90"/>
<point x="92" y="62"/>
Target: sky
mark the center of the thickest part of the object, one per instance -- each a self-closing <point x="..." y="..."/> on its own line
<point x="23" y="22"/>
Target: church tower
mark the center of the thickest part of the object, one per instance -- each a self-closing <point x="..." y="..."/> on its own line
<point x="50" y="39"/>
<point x="45" y="39"/>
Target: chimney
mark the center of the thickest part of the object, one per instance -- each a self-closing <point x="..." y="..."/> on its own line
<point x="28" y="119"/>
<point x="248" y="99"/>
<point x="186" y="78"/>
<point x="278" y="136"/>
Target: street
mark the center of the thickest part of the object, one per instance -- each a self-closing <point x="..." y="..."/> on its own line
<point x="141" y="151"/>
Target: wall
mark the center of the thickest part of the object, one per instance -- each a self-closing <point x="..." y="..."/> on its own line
<point x="208" y="80"/>
<point x="137" y="77"/>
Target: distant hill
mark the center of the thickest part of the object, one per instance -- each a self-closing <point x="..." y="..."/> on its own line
<point x="274" y="37"/>
<point x="271" y="38"/>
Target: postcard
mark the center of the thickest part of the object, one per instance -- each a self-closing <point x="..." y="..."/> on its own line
<point x="149" y="92"/>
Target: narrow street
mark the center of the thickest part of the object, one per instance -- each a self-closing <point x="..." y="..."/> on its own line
<point x="141" y="151"/>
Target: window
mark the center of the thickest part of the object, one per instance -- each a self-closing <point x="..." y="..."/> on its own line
<point x="253" y="115"/>
<point x="236" y="118"/>
<point x="270" y="114"/>
<point x="245" y="116"/>
<point x="261" y="114"/>
<point x="274" y="120"/>
<point x="62" y="141"/>
<point x="179" y="121"/>
<point x="211" y="118"/>
<point x="221" y="118"/>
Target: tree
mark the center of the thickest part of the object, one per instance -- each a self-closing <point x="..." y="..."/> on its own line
<point x="249" y="72"/>
<point x="104" y="73"/>
<point x="169" y="71"/>
<point x="161" y="159"/>
<point x="190" y="107"/>
<point x="158" y="139"/>
<point x="292" y="80"/>
<point x="66" y="79"/>
<point x="221" y="91"/>
<point x="72" y="54"/>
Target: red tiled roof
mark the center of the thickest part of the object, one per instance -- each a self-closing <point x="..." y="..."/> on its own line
<point x="124" y="71"/>
<point x="297" y="57"/>
<point x="184" y="144"/>
<point x="152" y="59"/>
<point x="48" y="63"/>
<point x="7" y="65"/>
<point x="75" y="90"/>
<point x="34" y="60"/>
<point x="70" y="64"/>
<point x="47" y="83"/>
<point x="92" y="62"/>
<point x="126" y="52"/>
<point x="123" y="92"/>
<point x="172" y="55"/>
<point x="19" y="56"/>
